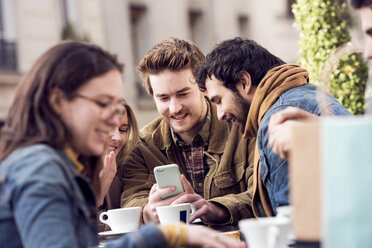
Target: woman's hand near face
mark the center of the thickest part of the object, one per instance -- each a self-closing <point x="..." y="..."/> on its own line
<point x="106" y="175"/>
<point x="281" y="127"/>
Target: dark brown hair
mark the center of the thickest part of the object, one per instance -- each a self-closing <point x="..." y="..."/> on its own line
<point x="357" y="4"/>
<point x="67" y="67"/>
<point x="172" y="54"/>
<point x="230" y="58"/>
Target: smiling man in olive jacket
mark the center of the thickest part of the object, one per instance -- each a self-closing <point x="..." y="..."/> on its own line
<point x="211" y="154"/>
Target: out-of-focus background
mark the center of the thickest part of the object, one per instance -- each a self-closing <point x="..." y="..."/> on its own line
<point x="129" y="28"/>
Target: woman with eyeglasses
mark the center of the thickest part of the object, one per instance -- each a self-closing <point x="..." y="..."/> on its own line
<point x="57" y="127"/>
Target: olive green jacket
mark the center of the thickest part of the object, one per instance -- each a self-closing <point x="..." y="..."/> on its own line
<point x="226" y="182"/>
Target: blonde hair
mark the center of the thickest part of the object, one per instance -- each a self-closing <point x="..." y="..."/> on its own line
<point x="133" y="134"/>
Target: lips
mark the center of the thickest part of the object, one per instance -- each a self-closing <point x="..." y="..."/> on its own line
<point x="112" y="148"/>
<point x="179" y="117"/>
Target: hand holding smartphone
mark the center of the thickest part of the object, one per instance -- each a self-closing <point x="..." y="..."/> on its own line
<point x="168" y="176"/>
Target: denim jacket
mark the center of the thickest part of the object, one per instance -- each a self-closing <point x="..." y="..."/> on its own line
<point x="44" y="202"/>
<point x="274" y="170"/>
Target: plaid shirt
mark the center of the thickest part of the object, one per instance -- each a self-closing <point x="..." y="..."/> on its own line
<point x="197" y="165"/>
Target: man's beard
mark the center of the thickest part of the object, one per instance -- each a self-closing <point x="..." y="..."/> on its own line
<point x="243" y="109"/>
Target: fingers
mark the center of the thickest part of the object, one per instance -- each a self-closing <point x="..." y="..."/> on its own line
<point x="187" y="198"/>
<point x="199" y="213"/>
<point x="186" y="185"/>
<point x="206" y="237"/>
<point x="112" y="159"/>
<point x="290" y="113"/>
<point x="155" y="201"/>
<point x="281" y="138"/>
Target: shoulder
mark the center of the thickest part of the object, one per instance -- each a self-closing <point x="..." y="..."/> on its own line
<point x="150" y="128"/>
<point x="34" y="163"/>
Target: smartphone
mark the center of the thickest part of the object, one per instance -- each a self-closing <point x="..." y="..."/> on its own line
<point x="168" y="176"/>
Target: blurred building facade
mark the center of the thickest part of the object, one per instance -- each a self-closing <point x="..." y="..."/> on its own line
<point x="129" y="28"/>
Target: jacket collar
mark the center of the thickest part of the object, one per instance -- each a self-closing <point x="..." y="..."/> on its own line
<point x="276" y="81"/>
<point x="217" y="139"/>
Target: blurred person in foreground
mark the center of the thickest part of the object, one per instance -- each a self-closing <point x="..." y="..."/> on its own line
<point x="211" y="154"/>
<point x="284" y="121"/>
<point x="64" y="108"/>
<point x="249" y="84"/>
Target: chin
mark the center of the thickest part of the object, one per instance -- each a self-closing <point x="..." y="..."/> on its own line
<point x="97" y="151"/>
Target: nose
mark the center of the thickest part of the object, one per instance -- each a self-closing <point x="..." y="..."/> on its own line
<point x="220" y="114"/>
<point x="175" y="106"/>
<point x="368" y="49"/>
<point x="115" y="136"/>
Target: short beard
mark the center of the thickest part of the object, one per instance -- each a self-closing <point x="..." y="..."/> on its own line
<point x="243" y="110"/>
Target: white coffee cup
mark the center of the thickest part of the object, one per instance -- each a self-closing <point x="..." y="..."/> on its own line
<point x="175" y="213"/>
<point x="122" y="220"/>
<point x="270" y="232"/>
<point x="285" y="211"/>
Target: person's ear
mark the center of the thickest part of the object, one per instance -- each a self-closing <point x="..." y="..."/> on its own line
<point x="56" y="100"/>
<point x="246" y="82"/>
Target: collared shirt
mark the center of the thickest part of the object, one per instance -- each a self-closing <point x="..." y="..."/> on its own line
<point x="73" y="159"/>
<point x="197" y="165"/>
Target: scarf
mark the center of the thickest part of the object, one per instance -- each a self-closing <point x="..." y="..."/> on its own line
<point x="276" y="81"/>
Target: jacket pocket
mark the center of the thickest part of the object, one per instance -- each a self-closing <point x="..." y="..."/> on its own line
<point x="227" y="179"/>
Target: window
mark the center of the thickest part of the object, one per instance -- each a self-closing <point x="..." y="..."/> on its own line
<point x="8" y="47"/>
<point x="289" y="8"/>
<point x="198" y="30"/>
<point x="243" y="26"/>
<point x="69" y="21"/>
<point x="139" y="38"/>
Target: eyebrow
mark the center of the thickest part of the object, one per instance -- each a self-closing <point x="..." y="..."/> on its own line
<point x="177" y="92"/>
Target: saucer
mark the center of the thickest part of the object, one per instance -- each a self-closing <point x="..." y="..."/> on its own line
<point x="112" y="233"/>
<point x="197" y="221"/>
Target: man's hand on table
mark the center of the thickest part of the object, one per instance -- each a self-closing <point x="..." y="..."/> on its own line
<point x="205" y="210"/>
<point x="149" y="211"/>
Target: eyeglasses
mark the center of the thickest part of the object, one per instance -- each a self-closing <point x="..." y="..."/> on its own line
<point x="108" y="109"/>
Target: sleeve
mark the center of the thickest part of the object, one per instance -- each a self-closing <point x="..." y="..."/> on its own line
<point x="41" y="204"/>
<point x="147" y="236"/>
<point x="137" y="180"/>
<point x="274" y="169"/>
<point x="240" y="205"/>
<point x="138" y="175"/>
<point x="44" y="216"/>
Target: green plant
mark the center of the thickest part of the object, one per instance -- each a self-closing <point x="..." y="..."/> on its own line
<point x="69" y="33"/>
<point x="324" y="28"/>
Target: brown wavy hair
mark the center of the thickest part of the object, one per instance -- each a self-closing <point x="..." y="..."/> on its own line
<point x="67" y="67"/>
<point x="172" y="54"/>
